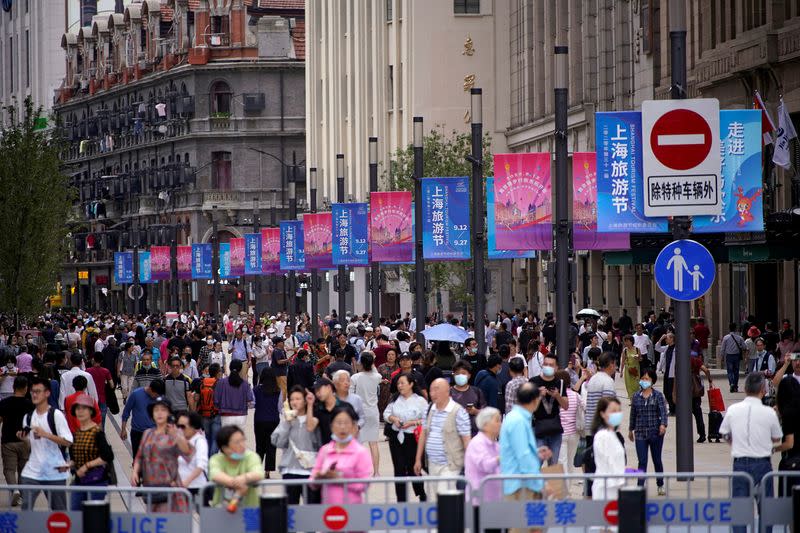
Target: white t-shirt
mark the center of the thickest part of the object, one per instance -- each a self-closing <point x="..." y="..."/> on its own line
<point x="7" y="381"/>
<point x="535" y="365"/>
<point x="45" y="454"/>
<point x="217" y="357"/>
<point x="752" y="427"/>
<point x="199" y="459"/>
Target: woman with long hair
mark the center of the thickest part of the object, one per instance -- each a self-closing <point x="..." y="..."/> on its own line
<point x="365" y="384"/>
<point x="630" y="369"/>
<point x="386" y="370"/>
<point x="404" y="414"/>
<point x="608" y="448"/>
<point x="232" y="396"/>
<point x="297" y="435"/>
<point x="266" y="417"/>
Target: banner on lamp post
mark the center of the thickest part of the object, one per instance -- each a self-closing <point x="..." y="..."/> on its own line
<point x="252" y="254"/>
<point x="584" y="208"/>
<point x="391" y="233"/>
<point x="350" y="234"/>
<point x="123" y="267"/>
<point x="202" y="254"/>
<point x="445" y="219"/>
<point x="491" y="235"/>
<point x="184" y="262"/>
<point x="292" y="246"/>
<point x="225" y="260"/>
<point x="523" y="207"/>
<point x="237" y="257"/>
<point x="160" y="263"/>
<point x="145" y="267"/>
<point x="270" y="250"/>
<point x="318" y="240"/>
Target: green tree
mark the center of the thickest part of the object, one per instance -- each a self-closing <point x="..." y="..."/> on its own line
<point x="35" y="199"/>
<point x="444" y="155"/>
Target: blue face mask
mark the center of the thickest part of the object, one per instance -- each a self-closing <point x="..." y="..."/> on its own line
<point x="548" y="371"/>
<point x="339" y="440"/>
<point x="615" y="419"/>
<point x="644" y="384"/>
<point x="236" y="456"/>
<point x="460" y="379"/>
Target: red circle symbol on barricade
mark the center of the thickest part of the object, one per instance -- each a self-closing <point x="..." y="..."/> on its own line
<point x="335" y="518"/>
<point x="681" y="139"/>
<point x="611" y="513"/>
<point x="58" y="523"/>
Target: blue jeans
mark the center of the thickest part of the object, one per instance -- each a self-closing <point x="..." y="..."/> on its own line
<point x="654" y="443"/>
<point x="211" y="427"/>
<point x="554" y="443"/>
<point x="732" y="363"/>
<point x="757" y="468"/>
<point x="79" y="497"/>
<point x="57" y="499"/>
<point x="103" y="412"/>
<point x="257" y="372"/>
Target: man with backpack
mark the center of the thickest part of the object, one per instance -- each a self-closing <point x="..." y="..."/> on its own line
<point x="206" y="407"/>
<point x="47" y="432"/>
<point x="239" y="349"/>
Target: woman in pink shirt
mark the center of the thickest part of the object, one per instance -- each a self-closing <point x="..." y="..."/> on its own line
<point x="482" y="457"/>
<point x="343" y="458"/>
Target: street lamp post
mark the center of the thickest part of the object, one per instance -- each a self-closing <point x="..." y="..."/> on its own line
<point x="136" y="285"/>
<point x="293" y="216"/>
<point x="215" y="259"/>
<point x="563" y="200"/>
<point x="273" y="221"/>
<point x="419" y="263"/>
<point x="343" y="275"/>
<point x="174" y="284"/>
<point x="257" y="278"/>
<point x="314" y="285"/>
<point x="479" y="244"/>
<point x="375" y="267"/>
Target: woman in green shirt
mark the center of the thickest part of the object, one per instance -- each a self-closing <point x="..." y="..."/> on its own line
<point x="235" y="469"/>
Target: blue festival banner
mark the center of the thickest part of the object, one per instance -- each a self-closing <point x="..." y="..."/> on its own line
<point x="491" y="242"/>
<point x="202" y="254"/>
<point x="620" y="198"/>
<point x="350" y="234"/>
<point x="445" y="219"/>
<point x="252" y="254"/>
<point x="145" y="268"/>
<point x="740" y="179"/>
<point x="292" y="248"/>
<point x="123" y="267"/>
<point x="225" y="260"/>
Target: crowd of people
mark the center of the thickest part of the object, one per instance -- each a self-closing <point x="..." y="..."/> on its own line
<point x="188" y="385"/>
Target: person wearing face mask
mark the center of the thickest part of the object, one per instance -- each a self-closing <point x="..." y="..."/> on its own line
<point x="469" y="397"/>
<point x="648" y="424"/>
<point x="608" y="449"/>
<point x="218" y="357"/>
<point x="235" y="469"/>
<point x="261" y="358"/>
<point x="547" y="425"/>
<point x="205" y="351"/>
<point x="471" y="355"/>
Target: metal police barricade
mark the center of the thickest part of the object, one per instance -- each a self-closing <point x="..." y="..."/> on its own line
<point x="132" y="510"/>
<point x="775" y="495"/>
<point x="378" y="512"/>
<point x="705" y="503"/>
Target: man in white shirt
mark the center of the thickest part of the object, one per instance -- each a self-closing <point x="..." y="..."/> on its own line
<point x="753" y="431"/>
<point x="66" y="387"/>
<point x="47" y="434"/>
<point x="100" y="343"/>
<point x="642" y="341"/>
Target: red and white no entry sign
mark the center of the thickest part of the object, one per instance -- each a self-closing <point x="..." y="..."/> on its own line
<point x="681" y="139"/>
<point x="335" y="518"/>
<point x="58" y="523"/>
<point x="611" y="512"/>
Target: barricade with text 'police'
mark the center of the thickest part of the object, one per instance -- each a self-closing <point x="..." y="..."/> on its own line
<point x="775" y="495"/>
<point x="132" y="510"/>
<point x="706" y="502"/>
<point x="379" y="512"/>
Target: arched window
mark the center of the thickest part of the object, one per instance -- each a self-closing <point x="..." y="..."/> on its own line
<point x="221" y="98"/>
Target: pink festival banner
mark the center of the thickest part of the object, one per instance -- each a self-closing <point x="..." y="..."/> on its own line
<point x="391" y="221"/>
<point x="271" y="250"/>
<point x="523" y="207"/>
<point x="184" y="262"/>
<point x="160" y="263"/>
<point x="237" y="257"/>
<point x="584" y="208"/>
<point x="318" y="240"/>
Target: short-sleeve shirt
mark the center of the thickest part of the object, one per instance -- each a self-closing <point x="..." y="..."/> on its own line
<point x="100" y="375"/>
<point x="250" y="463"/>
<point x="434" y="444"/>
<point x="46" y="455"/>
<point x="158" y="457"/>
<point x="176" y="390"/>
<point x="12" y="410"/>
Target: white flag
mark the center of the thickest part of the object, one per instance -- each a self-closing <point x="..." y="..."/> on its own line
<point x="786" y="133"/>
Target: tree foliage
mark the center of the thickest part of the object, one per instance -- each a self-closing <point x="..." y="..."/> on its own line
<point x="444" y="155"/>
<point x="35" y="199"/>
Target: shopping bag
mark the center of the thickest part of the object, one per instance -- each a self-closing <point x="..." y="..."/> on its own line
<point x="715" y="401"/>
<point x="554" y="489"/>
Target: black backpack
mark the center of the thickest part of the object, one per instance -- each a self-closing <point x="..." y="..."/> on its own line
<point x="51" y="422"/>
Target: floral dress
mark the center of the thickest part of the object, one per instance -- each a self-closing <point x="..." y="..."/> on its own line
<point x="158" y="457"/>
<point x="384" y="394"/>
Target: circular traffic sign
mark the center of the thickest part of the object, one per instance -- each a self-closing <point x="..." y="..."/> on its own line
<point x="685" y="270"/>
<point x="58" y="523"/>
<point x="335" y="518"/>
<point x="611" y="512"/>
<point x="681" y="139"/>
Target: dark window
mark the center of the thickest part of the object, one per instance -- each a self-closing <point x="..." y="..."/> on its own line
<point x="220" y="98"/>
<point x="467" y="6"/>
<point x="27" y="56"/>
<point x="390" y="87"/>
<point x="389" y="10"/>
<point x="11" y="62"/>
<point x="221" y="170"/>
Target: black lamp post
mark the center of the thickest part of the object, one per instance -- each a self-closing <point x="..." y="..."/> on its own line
<point x="420" y="292"/>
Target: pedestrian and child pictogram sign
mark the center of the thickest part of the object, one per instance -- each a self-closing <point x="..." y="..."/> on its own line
<point x="685" y="270"/>
<point x="681" y="160"/>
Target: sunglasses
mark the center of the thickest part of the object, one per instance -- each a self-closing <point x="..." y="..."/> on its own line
<point x="181" y="426"/>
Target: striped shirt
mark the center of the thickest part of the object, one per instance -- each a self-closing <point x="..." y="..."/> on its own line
<point x="600" y="385"/>
<point x="568" y="415"/>
<point x="511" y="391"/>
<point x="434" y="445"/>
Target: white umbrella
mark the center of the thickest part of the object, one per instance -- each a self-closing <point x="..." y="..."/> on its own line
<point x="587" y="312"/>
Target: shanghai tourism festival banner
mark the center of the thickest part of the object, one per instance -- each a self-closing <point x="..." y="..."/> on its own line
<point x="523" y="209"/>
<point x="391" y="236"/>
<point x="123" y="267"/>
<point x="445" y="218"/>
<point x="620" y="198"/>
<point x="350" y="234"/>
<point x="202" y="254"/>
<point x="252" y="254"/>
<point x="584" y="208"/>
<point x="184" y="262"/>
<point x="292" y="248"/>
<point x="740" y="179"/>
<point x="270" y="250"/>
<point x="145" y="268"/>
<point x="318" y="240"/>
<point x="237" y="257"/>
<point x="491" y="234"/>
<point x="225" y="260"/>
<point x="160" y="263"/>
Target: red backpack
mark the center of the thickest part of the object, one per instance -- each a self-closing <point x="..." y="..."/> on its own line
<point x="206" y="405"/>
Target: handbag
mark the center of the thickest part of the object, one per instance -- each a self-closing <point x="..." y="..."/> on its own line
<point x="715" y="401"/>
<point x="633" y="371"/>
<point x="417" y="432"/>
<point x="111" y="400"/>
<point x="577" y="461"/>
<point x="93" y="476"/>
<point x="304" y="457"/>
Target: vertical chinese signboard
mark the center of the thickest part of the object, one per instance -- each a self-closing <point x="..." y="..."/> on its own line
<point x="292" y="246"/>
<point x="252" y="254"/>
<point x="445" y="218"/>
<point x="523" y="207"/>
<point x="350" y="234"/>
